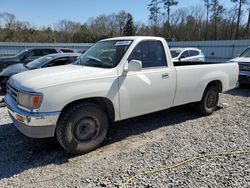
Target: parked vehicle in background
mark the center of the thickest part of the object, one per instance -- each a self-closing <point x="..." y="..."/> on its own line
<point x="244" y="65"/>
<point x="116" y="79"/>
<point x="187" y="54"/>
<point x="50" y="60"/>
<point x="82" y="51"/>
<point x="67" y="50"/>
<point x="26" y="56"/>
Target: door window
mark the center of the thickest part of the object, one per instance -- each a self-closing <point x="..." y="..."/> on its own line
<point x="150" y="53"/>
<point x="194" y="53"/>
<point x="49" y="51"/>
<point x="34" y="53"/>
<point x="185" y="54"/>
<point x="58" y="62"/>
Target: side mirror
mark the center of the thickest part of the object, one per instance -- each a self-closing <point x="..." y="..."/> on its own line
<point x="134" y="65"/>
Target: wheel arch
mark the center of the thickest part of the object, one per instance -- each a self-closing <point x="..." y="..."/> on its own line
<point x="216" y="83"/>
<point x="103" y="102"/>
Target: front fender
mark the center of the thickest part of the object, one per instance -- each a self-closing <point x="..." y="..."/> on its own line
<point x="57" y="97"/>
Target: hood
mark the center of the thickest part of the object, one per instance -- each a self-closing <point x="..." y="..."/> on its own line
<point x="241" y="59"/>
<point x="41" y="78"/>
<point x="13" y="69"/>
<point x="9" y="58"/>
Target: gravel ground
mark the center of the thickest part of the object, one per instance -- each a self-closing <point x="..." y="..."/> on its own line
<point x="136" y="145"/>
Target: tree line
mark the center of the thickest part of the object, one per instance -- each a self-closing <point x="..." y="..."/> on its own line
<point x="212" y="21"/>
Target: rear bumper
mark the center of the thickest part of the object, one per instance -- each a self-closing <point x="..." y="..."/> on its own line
<point x="244" y="77"/>
<point x="33" y="124"/>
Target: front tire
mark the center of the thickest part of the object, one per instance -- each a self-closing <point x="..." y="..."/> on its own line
<point x="209" y="101"/>
<point x="82" y="128"/>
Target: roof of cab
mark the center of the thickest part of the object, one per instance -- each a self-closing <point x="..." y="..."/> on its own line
<point x="134" y="38"/>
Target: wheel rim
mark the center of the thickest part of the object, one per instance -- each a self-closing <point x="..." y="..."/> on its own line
<point x="86" y="129"/>
<point x="211" y="100"/>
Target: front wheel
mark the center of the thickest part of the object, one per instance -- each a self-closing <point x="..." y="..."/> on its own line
<point x="82" y="128"/>
<point x="209" y="101"/>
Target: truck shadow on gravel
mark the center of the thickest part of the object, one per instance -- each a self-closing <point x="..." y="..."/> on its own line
<point x="19" y="153"/>
<point x="243" y="91"/>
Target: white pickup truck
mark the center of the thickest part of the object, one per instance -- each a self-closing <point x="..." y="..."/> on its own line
<point x="116" y="79"/>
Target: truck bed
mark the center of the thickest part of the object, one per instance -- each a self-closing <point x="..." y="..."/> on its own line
<point x="193" y="77"/>
<point x="186" y="63"/>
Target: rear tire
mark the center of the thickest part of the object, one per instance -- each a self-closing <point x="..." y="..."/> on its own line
<point x="82" y="128"/>
<point x="209" y="101"/>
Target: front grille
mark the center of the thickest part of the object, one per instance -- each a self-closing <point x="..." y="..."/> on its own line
<point x="12" y="91"/>
<point x="244" y="67"/>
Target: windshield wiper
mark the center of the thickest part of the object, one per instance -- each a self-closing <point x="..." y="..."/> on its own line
<point x="26" y="66"/>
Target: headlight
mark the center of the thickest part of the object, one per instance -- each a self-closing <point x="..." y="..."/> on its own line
<point x="29" y="101"/>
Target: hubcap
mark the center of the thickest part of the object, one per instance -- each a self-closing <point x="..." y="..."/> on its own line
<point x="85" y="129"/>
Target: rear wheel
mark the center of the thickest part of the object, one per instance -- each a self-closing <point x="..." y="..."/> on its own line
<point x="82" y="128"/>
<point x="209" y="101"/>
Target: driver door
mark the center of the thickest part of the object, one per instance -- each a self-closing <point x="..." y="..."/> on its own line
<point x="152" y="88"/>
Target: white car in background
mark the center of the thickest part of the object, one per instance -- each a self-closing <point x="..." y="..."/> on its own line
<point x="187" y="54"/>
<point x="244" y="65"/>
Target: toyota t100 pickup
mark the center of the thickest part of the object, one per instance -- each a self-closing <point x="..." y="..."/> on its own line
<point x="116" y="79"/>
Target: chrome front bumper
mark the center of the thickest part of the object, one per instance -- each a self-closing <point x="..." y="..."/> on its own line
<point x="33" y="124"/>
<point x="244" y="77"/>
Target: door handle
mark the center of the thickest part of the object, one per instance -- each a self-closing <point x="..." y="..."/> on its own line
<point x="165" y="75"/>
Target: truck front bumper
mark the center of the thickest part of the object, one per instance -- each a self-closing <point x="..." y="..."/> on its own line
<point x="244" y="77"/>
<point x="32" y="124"/>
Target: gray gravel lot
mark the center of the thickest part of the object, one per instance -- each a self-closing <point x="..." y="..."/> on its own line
<point x="136" y="145"/>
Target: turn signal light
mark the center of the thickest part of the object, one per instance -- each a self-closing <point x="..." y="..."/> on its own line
<point x="36" y="101"/>
<point x="20" y="118"/>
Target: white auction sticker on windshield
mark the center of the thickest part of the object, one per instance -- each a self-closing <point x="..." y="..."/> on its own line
<point x="123" y="43"/>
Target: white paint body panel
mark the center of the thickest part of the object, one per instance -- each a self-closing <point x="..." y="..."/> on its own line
<point x="132" y="93"/>
<point x="193" y="79"/>
<point x="146" y="91"/>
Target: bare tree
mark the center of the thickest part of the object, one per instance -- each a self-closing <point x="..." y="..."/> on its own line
<point x="248" y="21"/>
<point x="167" y="5"/>
<point x="121" y="19"/>
<point x="155" y="12"/>
<point x="217" y="11"/>
<point x="240" y="4"/>
<point x="207" y="5"/>
<point x="9" y="20"/>
<point x="1" y="19"/>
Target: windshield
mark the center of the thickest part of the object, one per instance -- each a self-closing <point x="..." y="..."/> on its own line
<point x="38" y="62"/>
<point x="105" y="54"/>
<point x="175" y="53"/>
<point x="246" y="53"/>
